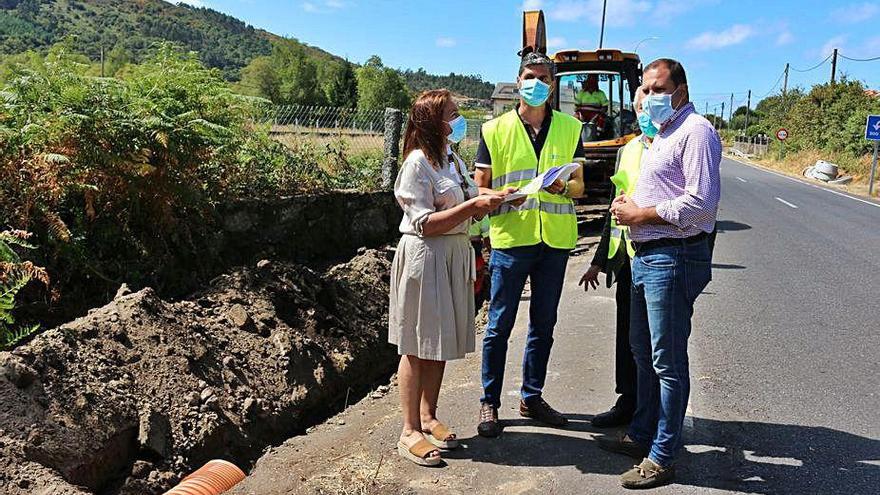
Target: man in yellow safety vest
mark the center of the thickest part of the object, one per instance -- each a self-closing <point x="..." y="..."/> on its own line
<point x="531" y="238"/>
<point x="612" y="257"/>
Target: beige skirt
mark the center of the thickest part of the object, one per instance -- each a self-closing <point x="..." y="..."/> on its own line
<point x="431" y="311"/>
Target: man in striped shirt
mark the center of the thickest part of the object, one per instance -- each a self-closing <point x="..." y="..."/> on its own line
<point x="671" y="214"/>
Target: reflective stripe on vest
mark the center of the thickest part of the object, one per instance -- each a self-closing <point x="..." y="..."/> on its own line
<point x="519" y="175"/>
<point x="625" y="179"/>
<point x="544" y="217"/>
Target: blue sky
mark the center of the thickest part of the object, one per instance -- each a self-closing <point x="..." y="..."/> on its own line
<point x="725" y="45"/>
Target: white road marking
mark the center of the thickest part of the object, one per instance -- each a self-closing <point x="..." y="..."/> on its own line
<point x="741" y="179"/>
<point x="832" y="191"/>
<point x="781" y="461"/>
<point x="786" y="203"/>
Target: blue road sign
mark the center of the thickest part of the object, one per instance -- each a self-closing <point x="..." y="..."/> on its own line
<point x="872" y="128"/>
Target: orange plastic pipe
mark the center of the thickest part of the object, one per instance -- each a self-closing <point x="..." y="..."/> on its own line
<point x="213" y="478"/>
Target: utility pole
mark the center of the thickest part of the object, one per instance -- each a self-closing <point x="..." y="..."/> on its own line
<point x="748" y="110"/>
<point x="602" y="30"/>
<point x="833" y="66"/>
<point x="707" y="109"/>
<point x="731" y="111"/>
<point x="102" y="61"/>
<point x="785" y="81"/>
<point x="722" y="114"/>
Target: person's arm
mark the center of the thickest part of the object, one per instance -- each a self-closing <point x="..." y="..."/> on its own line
<point x="441" y="222"/>
<point x="600" y="257"/>
<point x="700" y="161"/>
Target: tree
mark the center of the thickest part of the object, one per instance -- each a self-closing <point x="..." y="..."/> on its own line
<point x="297" y="74"/>
<point x="380" y="87"/>
<point x="259" y="78"/>
<point x="341" y="85"/>
<point x="116" y="59"/>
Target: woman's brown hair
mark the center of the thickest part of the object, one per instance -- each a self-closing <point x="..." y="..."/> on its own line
<point x="424" y="130"/>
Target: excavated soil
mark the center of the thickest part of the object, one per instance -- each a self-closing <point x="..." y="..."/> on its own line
<point x="136" y="394"/>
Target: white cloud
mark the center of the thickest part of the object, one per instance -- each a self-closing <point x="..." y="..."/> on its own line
<point x="446" y="42"/>
<point x="830" y="45"/>
<point x="854" y="13"/>
<point x="556" y="42"/>
<point x="323" y="7"/>
<point x="532" y="4"/>
<point x="620" y="12"/>
<point x="711" y="40"/>
<point x="784" y="38"/>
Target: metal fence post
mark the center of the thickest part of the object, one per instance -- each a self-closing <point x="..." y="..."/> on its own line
<point x="393" y="125"/>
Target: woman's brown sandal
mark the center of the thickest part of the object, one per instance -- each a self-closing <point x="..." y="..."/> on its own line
<point x="441" y="437"/>
<point x="420" y="453"/>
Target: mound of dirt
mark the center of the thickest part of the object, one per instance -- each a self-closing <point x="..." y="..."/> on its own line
<point x="139" y="392"/>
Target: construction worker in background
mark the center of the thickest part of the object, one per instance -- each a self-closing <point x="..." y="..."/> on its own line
<point x="531" y="238"/>
<point x="590" y="93"/>
<point x="612" y="257"/>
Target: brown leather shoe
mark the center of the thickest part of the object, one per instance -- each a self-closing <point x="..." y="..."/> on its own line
<point x="489" y="426"/>
<point x="537" y="408"/>
<point x="648" y="474"/>
<point x="621" y="444"/>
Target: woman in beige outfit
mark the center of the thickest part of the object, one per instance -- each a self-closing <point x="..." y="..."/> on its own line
<point x="431" y="312"/>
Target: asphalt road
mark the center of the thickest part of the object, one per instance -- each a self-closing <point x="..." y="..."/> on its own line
<point x="785" y="357"/>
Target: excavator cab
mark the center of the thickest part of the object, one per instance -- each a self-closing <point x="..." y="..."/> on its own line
<point x="597" y="87"/>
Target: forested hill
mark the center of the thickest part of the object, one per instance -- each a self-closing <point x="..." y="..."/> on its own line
<point x="130" y="28"/>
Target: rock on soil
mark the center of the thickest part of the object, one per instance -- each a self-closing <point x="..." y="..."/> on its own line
<point x="142" y="391"/>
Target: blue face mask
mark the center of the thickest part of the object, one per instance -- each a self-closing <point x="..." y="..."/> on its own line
<point x="659" y="108"/>
<point x="459" y="129"/>
<point x="534" y="92"/>
<point x="648" y="128"/>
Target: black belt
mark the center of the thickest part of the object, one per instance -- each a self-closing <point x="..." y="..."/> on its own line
<point x="657" y="243"/>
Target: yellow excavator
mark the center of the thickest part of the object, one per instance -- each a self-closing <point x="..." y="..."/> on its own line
<point x="609" y="120"/>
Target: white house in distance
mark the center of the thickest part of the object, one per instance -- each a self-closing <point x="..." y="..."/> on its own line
<point x="505" y="97"/>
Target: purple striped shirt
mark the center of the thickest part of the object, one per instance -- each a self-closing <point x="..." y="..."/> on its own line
<point x="680" y="177"/>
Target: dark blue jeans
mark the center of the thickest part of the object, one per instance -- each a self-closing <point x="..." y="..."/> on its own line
<point x="666" y="283"/>
<point x="509" y="269"/>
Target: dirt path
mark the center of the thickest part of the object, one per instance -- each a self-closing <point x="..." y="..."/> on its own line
<point x="354" y="453"/>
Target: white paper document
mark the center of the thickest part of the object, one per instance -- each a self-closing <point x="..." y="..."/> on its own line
<point x="543" y="181"/>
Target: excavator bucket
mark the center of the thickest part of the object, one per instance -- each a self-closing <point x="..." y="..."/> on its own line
<point x="534" y="33"/>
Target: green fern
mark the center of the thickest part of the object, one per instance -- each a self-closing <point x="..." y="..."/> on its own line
<point x="14" y="276"/>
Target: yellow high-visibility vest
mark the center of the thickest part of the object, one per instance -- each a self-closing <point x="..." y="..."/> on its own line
<point x="544" y="217"/>
<point x="625" y="180"/>
<point x="595" y="98"/>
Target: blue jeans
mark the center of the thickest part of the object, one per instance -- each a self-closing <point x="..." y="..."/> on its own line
<point x="509" y="269"/>
<point x="666" y="283"/>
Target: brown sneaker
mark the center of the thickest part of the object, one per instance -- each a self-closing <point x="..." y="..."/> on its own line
<point x="537" y="408"/>
<point x="622" y="444"/>
<point x="648" y="474"/>
<point x="489" y="426"/>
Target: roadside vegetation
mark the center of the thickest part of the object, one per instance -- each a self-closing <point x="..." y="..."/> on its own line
<point x="115" y="175"/>
<point x="827" y="122"/>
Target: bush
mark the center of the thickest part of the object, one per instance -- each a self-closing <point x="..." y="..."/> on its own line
<point x="117" y="176"/>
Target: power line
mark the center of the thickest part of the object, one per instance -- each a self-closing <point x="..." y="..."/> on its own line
<point x="858" y="59"/>
<point x="820" y="64"/>
<point x="774" y="86"/>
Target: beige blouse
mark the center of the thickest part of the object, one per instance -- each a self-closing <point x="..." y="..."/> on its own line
<point x="422" y="189"/>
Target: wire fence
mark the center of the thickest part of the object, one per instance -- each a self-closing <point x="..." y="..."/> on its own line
<point x="357" y="132"/>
